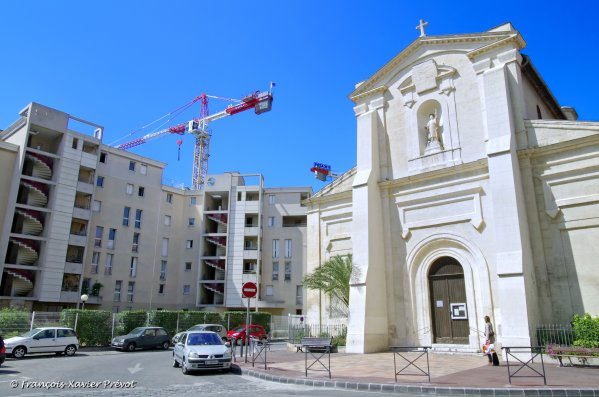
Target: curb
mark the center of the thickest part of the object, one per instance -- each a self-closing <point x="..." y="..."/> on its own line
<point x="418" y="390"/>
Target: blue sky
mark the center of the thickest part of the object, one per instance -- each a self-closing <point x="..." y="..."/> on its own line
<point x="122" y="64"/>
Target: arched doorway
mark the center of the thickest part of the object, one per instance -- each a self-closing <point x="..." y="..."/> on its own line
<point x="448" y="302"/>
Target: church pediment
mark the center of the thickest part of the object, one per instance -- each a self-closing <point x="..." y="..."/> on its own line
<point x="473" y="45"/>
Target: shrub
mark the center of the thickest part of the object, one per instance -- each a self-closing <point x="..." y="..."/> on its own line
<point x="131" y="319"/>
<point x="94" y="327"/>
<point x="14" y="322"/>
<point x="586" y="330"/>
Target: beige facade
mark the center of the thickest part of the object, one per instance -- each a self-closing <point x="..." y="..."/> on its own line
<point x="474" y="194"/>
<point x="84" y="217"/>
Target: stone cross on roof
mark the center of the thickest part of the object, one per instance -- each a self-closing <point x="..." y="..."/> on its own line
<point x="421" y="27"/>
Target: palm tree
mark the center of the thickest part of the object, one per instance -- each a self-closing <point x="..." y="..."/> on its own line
<point x="332" y="278"/>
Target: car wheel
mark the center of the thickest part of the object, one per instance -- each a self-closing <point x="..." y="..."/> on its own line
<point x="183" y="367"/>
<point x="175" y="363"/>
<point x="19" y="352"/>
<point x="131" y="347"/>
<point x="70" y="350"/>
<point x="165" y="345"/>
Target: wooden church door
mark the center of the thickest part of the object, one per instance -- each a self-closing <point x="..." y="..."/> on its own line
<point x="448" y="302"/>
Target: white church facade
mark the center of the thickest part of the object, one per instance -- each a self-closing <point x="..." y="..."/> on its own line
<point x="474" y="193"/>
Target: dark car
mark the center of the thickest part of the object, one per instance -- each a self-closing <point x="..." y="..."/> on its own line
<point x="238" y="333"/>
<point x="142" y="338"/>
<point x="2" y="351"/>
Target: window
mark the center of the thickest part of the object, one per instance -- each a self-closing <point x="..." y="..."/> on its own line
<point x="95" y="262"/>
<point x="102" y="157"/>
<point x="75" y="143"/>
<point x="126" y="212"/>
<point x="269" y="290"/>
<point x="275" y="248"/>
<point x="249" y="268"/>
<point x="169" y="198"/>
<point x="97" y="206"/>
<point x="131" y="165"/>
<point x="138" y="219"/>
<point x="130" y="291"/>
<point x="191" y="221"/>
<point x="271" y="199"/>
<point x="275" y="271"/>
<point x="189" y="244"/>
<point x="167" y="220"/>
<point x="141" y="191"/>
<point x="271" y="221"/>
<point x="129" y="189"/>
<point x="165" y="246"/>
<point x="135" y="246"/>
<point x="186" y="289"/>
<point x="108" y="268"/>
<point x="187" y="266"/>
<point x="288" y="248"/>
<point x="99" y="234"/>
<point x="192" y="201"/>
<point x="111" y="237"/>
<point x="143" y="169"/>
<point x="163" y="270"/>
<point x="299" y="295"/>
<point x="133" y="267"/>
<point x="287" y="271"/>
<point x="100" y="181"/>
<point x="161" y="289"/>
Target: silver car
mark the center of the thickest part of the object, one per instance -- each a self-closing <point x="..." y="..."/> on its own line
<point x="201" y="350"/>
<point x="219" y="329"/>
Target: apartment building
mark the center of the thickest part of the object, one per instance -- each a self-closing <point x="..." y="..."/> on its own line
<point x="80" y="217"/>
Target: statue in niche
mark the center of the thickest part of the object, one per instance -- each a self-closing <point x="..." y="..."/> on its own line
<point x="432" y="128"/>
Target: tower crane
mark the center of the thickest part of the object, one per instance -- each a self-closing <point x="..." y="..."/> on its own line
<point x="260" y="101"/>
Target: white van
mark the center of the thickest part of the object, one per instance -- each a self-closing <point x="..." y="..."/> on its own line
<point x="43" y="340"/>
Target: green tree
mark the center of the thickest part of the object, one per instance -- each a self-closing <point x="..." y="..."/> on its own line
<point x="332" y="278"/>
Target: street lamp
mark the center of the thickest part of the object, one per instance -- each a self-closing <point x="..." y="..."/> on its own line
<point x="84" y="299"/>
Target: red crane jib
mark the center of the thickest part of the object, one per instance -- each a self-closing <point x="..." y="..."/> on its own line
<point x="242" y="106"/>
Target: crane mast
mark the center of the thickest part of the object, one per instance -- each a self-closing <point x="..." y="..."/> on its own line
<point x="260" y="101"/>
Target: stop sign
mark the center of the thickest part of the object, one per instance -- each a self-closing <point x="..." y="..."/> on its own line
<point x="249" y="290"/>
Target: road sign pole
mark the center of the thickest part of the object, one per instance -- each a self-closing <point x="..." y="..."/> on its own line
<point x="247" y="330"/>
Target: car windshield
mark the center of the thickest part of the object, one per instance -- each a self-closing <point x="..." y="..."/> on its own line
<point x="31" y="333"/>
<point x="204" y="339"/>
<point x="239" y="329"/>
<point x="137" y="331"/>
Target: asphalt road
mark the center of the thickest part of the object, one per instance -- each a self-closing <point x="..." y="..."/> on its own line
<point x="141" y="373"/>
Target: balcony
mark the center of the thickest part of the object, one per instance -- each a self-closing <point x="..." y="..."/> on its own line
<point x="85" y="187"/>
<point x="78" y="240"/>
<point x="70" y="296"/>
<point x="250" y="253"/>
<point x="81" y="213"/>
<point x="73" y="267"/>
<point x="89" y="159"/>
<point x="251" y="231"/>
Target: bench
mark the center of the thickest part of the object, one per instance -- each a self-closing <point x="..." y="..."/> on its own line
<point x="582" y="353"/>
<point x="320" y="346"/>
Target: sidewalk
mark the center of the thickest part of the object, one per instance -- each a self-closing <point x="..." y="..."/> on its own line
<point x="451" y="374"/>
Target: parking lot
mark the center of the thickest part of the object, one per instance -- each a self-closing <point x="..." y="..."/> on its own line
<point x="103" y="371"/>
<point x="146" y="373"/>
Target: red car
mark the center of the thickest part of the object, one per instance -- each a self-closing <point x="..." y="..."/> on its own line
<point x="238" y="333"/>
